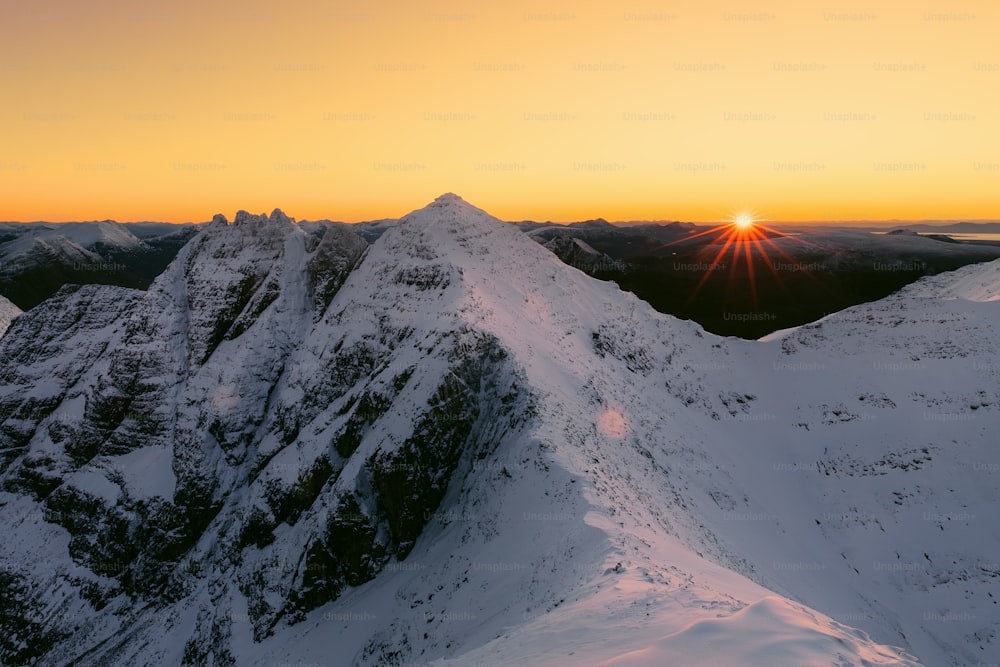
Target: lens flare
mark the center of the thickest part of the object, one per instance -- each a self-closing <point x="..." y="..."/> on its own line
<point x="613" y="423"/>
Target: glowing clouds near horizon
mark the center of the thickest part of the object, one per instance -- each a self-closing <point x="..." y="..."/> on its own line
<point x="613" y="423"/>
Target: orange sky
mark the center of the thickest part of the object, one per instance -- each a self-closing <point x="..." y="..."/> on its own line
<point x="547" y="110"/>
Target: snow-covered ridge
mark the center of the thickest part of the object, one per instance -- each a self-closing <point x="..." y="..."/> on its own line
<point x="451" y="448"/>
<point x="37" y="259"/>
<point x="71" y="239"/>
<point x="977" y="282"/>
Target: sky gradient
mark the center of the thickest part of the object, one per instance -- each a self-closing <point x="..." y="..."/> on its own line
<point x="544" y="110"/>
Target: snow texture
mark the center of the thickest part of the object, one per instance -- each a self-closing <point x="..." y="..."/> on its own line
<point x="450" y="448"/>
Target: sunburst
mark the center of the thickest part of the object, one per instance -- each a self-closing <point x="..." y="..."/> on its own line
<point x="745" y="236"/>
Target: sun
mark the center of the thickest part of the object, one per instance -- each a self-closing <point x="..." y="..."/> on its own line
<point x="746" y="239"/>
<point x="743" y="221"/>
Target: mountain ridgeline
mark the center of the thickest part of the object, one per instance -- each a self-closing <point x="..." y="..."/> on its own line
<point x="447" y="445"/>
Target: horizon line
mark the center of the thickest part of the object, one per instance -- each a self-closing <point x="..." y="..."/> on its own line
<point x="663" y="221"/>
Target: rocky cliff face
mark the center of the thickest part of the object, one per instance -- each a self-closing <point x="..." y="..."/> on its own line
<point x="192" y="438"/>
<point x="449" y="445"/>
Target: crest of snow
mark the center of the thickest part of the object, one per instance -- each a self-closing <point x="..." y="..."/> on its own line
<point x="637" y="630"/>
<point x="975" y="282"/>
<point x="772" y="631"/>
<point x="71" y="242"/>
<point x="89" y="234"/>
<point x="24" y="246"/>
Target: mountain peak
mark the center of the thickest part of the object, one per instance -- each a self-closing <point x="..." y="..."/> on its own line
<point x="449" y="201"/>
<point x="277" y="215"/>
<point x="448" y="198"/>
<point x="247" y="218"/>
<point x="451" y="212"/>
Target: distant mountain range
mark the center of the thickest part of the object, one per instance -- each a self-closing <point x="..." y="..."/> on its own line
<point x="36" y="259"/>
<point x="797" y="276"/>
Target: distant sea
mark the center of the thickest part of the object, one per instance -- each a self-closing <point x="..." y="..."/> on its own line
<point x="975" y="237"/>
<point x="961" y="237"/>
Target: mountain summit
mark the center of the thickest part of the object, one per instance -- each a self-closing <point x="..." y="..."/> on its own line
<point x="452" y="212"/>
<point x="276" y="217"/>
<point x="450" y="447"/>
<point x="449" y="199"/>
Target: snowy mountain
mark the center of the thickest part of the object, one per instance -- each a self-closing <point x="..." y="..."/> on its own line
<point x="972" y="283"/>
<point x="450" y="448"/>
<point x="38" y="258"/>
<point x="72" y="241"/>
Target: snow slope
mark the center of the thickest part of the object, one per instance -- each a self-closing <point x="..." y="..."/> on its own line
<point x="980" y="282"/>
<point x="451" y="448"/>
<point x="8" y="312"/>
